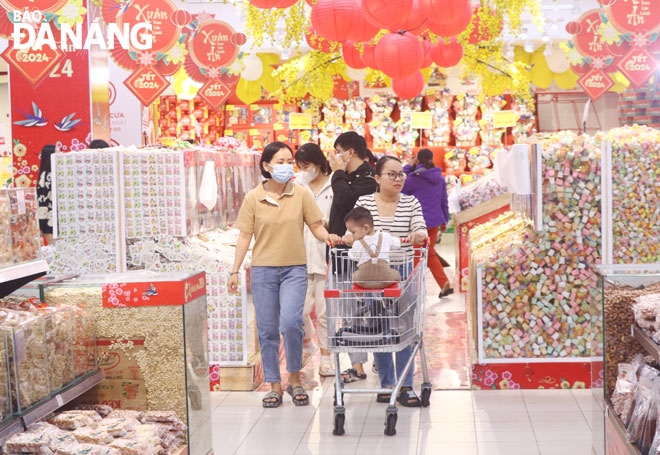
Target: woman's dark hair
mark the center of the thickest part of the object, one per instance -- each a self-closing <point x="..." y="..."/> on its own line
<point x="352" y="140"/>
<point x="312" y="153"/>
<point x="98" y="144"/>
<point x="425" y="158"/>
<point x="381" y="163"/>
<point x="269" y="152"/>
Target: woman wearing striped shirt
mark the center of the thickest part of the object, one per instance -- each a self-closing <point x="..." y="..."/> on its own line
<point x="400" y="215"/>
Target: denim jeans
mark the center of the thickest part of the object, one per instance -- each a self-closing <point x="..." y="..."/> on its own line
<point x="279" y="300"/>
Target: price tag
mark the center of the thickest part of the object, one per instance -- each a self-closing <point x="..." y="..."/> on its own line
<point x="253" y="132"/>
<point x="20" y="197"/>
<point x="60" y="400"/>
<point x="504" y="119"/>
<point x="229" y="132"/>
<point x="421" y="120"/>
<point x="277" y="126"/>
<point x="231" y="107"/>
<point x="298" y="121"/>
<point x="449" y="155"/>
<point x="254" y="107"/>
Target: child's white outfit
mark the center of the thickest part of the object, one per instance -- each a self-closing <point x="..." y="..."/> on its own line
<point x="372" y="253"/>
<point x="359" y="253"/>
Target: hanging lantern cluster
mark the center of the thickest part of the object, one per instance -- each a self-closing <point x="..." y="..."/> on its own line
<point x="403" y="28"/>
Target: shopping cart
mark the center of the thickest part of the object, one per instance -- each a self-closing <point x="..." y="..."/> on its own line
<point x="377" y="320"/>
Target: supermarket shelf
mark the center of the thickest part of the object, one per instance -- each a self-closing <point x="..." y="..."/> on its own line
<point x="651" y="346"/>
<point x="15" y="276"/>
<point x="626" y="448"/>
<point x="67" y="395"/>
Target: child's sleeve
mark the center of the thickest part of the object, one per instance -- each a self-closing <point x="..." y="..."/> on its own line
<point x="395" y="242"/>
<point x="355" y="253"/>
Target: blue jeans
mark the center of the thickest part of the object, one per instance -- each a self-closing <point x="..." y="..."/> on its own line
<point x="384" y="360"/>
<point x="279" y="301"/>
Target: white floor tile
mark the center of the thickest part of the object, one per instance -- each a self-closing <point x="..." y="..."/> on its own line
<point x="550" y="400"/>
<point x="504" y="425"/>
<point x="561" y="447"/>
<point x="509" y="448"/>
<point x="506" y="436"/>
<point x="321" y="444"/>
<point x="273" y="443"/>
<point x="217" y="398"/>
<point x="378" y="443"/>
<point x="453" y="448"/>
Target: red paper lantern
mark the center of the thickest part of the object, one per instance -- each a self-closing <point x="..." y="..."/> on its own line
<point x="453" y="28"/>
<point x="443" y="11"/>
<point x="181" y="17"/>
<point x="317" y="43"/>
<point x="386" y="13"/>
<point x="580" y="70"/>
<point x="447" y="55"/>
<point x="265" y="4"/>
<point x="415" y="23"/>
<point x="310" y="2"/>
<point x="238" y="39"/>
<point x="334" y="19"/>
<point x="369" y="56"/>
<point x="285" y="3"/>
<point x="410" y="86"/>
<point x="573" y="28"/>
<point x="363" y="30"/>
<point x="352" y="55"/>
<point x="399" y="54"/>
<point x="481" y="33"/>
<point x="428" y="54"/>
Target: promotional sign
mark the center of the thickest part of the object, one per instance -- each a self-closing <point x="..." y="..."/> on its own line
<point x="504" y="119"/>
<point x="215" y="45"/>
<point x="45" y="6"/>
<point x="595" y="83"/>
<point x="299" y="121"/>
<point x="123" y="106"/>
<point x="33" y="64"/>
<point x="159" y="293"/>
<point x="155" y="12"/>
<point x="638" y="66"/>
<point x="214" y="92"/>
<point x="146" y="83"/>
<point x="421" y="120"/>
<point x="634" y="16"/>
<point x="588" y="41"/>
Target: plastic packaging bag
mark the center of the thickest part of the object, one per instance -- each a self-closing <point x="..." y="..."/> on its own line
<point x="650" y="423"/>
<point x="643" y="398"/>
<point x="480" y="191"/>
<point x="624" y="391"/>
<point x="454" y="198"/>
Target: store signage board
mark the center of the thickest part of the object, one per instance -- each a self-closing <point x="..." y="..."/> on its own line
<point x="33" y="64"/>
<point x="588" y="41"/>
<point x="504" y="119"/>
<point x="595" y="83"/>
<point x="213" y="46"/>
<point x="157" y="13"/>
<point x="638" y="66"/>
<point x="634" y="16"/>
<point x="146" y="84"/>
<point x="215" y="92"/>
<point x="45" y="6"/>
<point x="421" y="120"/>
<point x="158" y="293"/>
<point x="298" y="121"/>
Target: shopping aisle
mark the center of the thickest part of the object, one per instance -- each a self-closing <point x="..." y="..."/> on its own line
<point x="529" y="422"/>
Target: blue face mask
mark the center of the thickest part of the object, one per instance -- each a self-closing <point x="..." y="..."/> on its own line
<point x="282" y="173"/>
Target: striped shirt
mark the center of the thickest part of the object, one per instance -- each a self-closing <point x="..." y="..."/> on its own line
<point x="408" y="218"/>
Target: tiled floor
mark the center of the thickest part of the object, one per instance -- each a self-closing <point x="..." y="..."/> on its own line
<point x="528" y="422"/>
<point x="458" y="422"/>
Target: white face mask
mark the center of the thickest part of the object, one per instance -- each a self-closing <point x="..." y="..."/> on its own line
<point x="306" y="177"/>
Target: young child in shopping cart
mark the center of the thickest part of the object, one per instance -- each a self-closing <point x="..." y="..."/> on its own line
<point x="371" y="251"/>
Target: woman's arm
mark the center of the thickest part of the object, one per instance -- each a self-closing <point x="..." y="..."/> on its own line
<point x="418" y="230"/>
<point x="321" y="233"/>
<point x="241" y="250"/>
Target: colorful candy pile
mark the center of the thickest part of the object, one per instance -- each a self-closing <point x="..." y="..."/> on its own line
<point x="382" y="126"/>
<point x="489" y="135"/>
<point x="405" y="135"/>
<point x="333" y="123"/>
<point x="537" y="296"/>
<point x="526" y="124"/>
<point x="466" y="126"/>
<point x="635" y="194"/>
<point x="480" y="191"/>
<point x="356" y="114"/>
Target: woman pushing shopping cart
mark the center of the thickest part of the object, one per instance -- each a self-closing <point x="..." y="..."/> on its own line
<point x="375" y="295"/>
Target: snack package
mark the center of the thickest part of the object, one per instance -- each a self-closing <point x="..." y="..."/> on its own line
<point x="91" y="435"/>
<point x="643" y="398"/>
<point x="72" y="421"/>
<point x="133" y="447"/>
<point x="126" y="413"/>
<point x="118" y="427"/>
<point x="650" y="423"/>
<point x="624" y="391"/>
<point x="101" y="409"/>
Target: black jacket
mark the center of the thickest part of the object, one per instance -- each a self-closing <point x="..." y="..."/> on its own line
<point x="347" y="189"/>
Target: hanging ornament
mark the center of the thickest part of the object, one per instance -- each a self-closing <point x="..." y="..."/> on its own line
<point x="265" y="4"/>
<point x="181" y="18"/>
<point x="447" y="55"/>
<point x="254" y="68"/>
<point x="428" y="54"/>
<point x="352" y="55"/>
<point x="443" y="11"/>
<point x="410" y="86"/>
<point x="363" y="30"/>
<point x="399" y="54"/>
<point x="369" y="56"/>
<point x="557" y="61"/>
<point x="334" y="19"/>
<point x="286" y="3"/>
<point x="316" y="42"/>
<point x="386" y="13"/>
<point x="415" y="23"/>
<point x="453" y="28"/>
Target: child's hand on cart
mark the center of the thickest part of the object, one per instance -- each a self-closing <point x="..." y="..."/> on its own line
<point x="348" y="239"/>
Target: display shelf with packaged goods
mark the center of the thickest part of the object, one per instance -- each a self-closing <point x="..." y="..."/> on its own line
<point x="155" y="326"/>
<point x="630" y="299"/>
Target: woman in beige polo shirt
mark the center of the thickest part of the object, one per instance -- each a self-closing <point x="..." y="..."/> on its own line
<point x="275" y="213"/>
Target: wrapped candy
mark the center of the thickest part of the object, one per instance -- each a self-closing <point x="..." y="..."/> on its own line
<point x="405" y="135"/>
<point x="526" y="124"/>
<point x="382" y="126"/>
<point x="480" y="191"/>
<point x="356" y="115"/>
<point x="455" y="160"/>
<point x="439" y="103"/>
<point x="333" y="123"/>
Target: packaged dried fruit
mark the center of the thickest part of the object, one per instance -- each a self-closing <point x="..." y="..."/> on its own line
<point x="5" y="229"/>
<point x="59" y="341"/>
<point x="28" y="363"/>
<point x="24" y="225"/>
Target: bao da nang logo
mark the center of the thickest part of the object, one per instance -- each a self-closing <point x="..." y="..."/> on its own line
<point x="33" y="30"/>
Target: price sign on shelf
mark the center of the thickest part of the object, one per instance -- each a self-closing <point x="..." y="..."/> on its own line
<point x="504" y="119"/>
<point x="422" y="120"/>
<point x="299" y="121"/>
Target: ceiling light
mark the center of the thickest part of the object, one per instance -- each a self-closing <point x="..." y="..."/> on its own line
<point x="529" y="47"/>
<point x="545" y="38"/>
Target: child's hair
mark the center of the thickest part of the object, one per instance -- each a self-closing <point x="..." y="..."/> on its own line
<point x="361" y="216"/>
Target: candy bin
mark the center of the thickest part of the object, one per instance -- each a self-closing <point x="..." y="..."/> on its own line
<point x="5" y="229"/>
<point x="59" y="344"/>
<point x="489" y="135"/>
<point x="25" y="236"/>
<point x="28" y="364"/>
<point x="157" y="322"/>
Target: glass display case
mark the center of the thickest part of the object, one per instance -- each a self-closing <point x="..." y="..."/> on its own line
<point x="151" y="333"/>
<point x="624" y="322"/>
<point x="19" y="228"/>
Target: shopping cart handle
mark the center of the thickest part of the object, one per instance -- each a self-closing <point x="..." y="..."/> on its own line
<point x="405" y="241"/>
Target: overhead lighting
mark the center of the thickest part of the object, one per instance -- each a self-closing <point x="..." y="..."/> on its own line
<point x="529" y="47"/>
<point x="545" y="38"/>
<point x="554" y="26"/>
